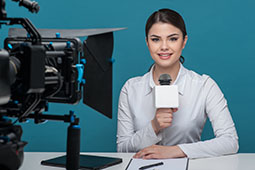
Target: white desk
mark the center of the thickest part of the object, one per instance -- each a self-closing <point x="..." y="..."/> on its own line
<point x="240" y="161"/>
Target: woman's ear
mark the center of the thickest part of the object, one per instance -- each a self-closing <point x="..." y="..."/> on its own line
<point x="185" y="41"/>
<point x="146" y="40"/>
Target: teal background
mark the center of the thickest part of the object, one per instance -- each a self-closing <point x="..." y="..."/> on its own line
<point x="221" y="44"/>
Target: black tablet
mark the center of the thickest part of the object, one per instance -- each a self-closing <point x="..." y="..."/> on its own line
<point x="86" y="162"/>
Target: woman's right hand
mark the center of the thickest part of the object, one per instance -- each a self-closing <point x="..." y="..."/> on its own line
<point x="162" y="119"/>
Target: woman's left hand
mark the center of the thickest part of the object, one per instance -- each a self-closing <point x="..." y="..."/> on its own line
<point x="160" y="152"/>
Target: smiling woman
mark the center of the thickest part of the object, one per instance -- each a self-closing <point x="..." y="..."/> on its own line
<point x="173" y="132"/>
<point x="165" y="43"/>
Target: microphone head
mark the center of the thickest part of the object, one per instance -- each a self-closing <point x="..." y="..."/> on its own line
<point x="164" y="79"/>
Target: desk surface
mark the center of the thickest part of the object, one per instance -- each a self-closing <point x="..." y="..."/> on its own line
<point x="239" y="161"/>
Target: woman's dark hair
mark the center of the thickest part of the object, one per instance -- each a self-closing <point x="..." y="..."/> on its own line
<point x="167" y="16"/>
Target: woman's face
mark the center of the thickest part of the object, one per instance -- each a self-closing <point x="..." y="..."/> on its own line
<point x="165" y="43"/>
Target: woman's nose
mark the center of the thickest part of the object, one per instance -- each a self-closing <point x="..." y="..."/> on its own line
<point x="164" y="46"/>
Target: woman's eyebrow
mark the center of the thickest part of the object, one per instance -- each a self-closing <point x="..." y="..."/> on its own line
<point x="171" y="35"/>
<point x="157" y="36"/>
<point x="154" y="36"/>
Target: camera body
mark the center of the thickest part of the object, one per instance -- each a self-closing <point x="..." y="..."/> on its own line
<point x="48" y="72"/>
<point x="31" y="76"/>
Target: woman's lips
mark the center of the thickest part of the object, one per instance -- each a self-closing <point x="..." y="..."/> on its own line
<point x="164" y="56"/>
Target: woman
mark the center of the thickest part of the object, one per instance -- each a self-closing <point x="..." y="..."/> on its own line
<point x="172" y="133"/>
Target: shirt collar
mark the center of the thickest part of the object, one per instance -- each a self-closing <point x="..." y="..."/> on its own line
<point x="180" y="80"/>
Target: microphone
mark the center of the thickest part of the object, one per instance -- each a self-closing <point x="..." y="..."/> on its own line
<point x="166" y="95"/>
<point x="164" y="79"/>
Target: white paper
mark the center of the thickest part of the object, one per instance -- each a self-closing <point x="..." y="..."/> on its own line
<point x="169" y="164"/>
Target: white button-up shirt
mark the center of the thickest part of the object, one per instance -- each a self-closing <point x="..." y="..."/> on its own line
<point x="199" y="98"/>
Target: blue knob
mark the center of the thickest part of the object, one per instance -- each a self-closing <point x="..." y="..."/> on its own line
<point x="68" y="44"/>
<point x="50" y="44"/>
<point x="10" y="46"/>
<point x="57" y="35"/>
<point x="83" y="61"/>
<point x="71" y="116"/>
<point x="83" y="81"/>
<point x="80" y="69"/>
<point x="76" y="126"/>
<point x="112" y="60"/>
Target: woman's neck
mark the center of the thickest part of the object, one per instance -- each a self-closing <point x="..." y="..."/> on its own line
<point x="172" y="71"/>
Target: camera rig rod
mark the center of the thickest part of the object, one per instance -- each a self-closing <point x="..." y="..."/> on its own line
<point x="39" y="117"/>
<point x="73" y="136"/>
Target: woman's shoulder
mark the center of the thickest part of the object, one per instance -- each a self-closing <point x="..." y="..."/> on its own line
<point x="199" y="78"/>
<point x="137" y="81"/>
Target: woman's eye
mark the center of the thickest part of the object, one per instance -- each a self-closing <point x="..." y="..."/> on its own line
<point x="173" y="39"/>
<point x="155" y="39"/>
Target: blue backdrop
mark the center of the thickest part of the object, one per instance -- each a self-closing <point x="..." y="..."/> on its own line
<point x="221" y="44"/>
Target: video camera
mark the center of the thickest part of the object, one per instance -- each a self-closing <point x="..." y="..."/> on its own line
<point x="39" y="73"/>
<point x="38" y="66"/>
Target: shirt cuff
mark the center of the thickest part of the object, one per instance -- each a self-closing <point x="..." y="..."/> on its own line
<point x="155" y="137"/>
<point x="186" y="150"/>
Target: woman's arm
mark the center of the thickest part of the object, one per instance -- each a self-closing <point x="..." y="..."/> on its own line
<point x="160" y="152"/>
<point x="128" y="139"/>
<point x="226" y="139"/>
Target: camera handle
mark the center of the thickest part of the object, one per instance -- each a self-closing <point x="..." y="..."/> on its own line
<point x="27" y="25"/>
<point x="25" y="22"/>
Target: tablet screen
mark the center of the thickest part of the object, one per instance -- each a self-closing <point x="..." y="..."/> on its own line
<point x="86" y="162"/>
